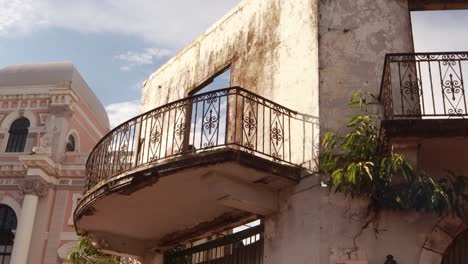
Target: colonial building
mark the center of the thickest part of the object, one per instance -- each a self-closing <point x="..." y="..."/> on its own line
<point x="49" y="122"/>
<point x="230" y="133"/>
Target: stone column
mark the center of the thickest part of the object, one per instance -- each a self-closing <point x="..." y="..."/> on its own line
<point x="32" y="190"/>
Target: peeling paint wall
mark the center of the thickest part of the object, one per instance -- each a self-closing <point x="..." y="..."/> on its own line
<point x="270" y="45"/>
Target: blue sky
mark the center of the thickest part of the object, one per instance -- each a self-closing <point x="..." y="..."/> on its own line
<point x="440" y="30"/>
<point x="117" y="44"/>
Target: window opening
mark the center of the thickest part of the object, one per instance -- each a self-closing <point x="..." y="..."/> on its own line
<point x="18" y="135"/>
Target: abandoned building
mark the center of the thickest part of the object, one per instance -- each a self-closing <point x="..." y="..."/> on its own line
<point x="230" y="132"/>
<point x="49" y="122"/>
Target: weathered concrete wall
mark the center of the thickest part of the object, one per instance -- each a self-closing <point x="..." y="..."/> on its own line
<point x="315" y="226"/>
<point x="293" y="235"/>
<point x="270" y="45"/>
<point x="354" y="36"/>
<point x="349" y="232"/>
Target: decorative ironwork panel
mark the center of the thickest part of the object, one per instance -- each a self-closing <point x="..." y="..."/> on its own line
<point x="277" y="134"/>
<point x="210" y="121"/>
<point x="410" y="87"/>
<point x="180" y="126"/>
<point x="452" y="87"/>
<point x="155" y="137"/>
<point x="249" y="122"/>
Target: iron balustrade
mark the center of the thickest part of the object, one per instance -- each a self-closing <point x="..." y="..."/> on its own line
<point x="227" y="118"/>
<point x="424" y="85"/>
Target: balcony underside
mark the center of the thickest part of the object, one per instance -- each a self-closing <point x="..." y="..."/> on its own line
<point x="183" y="198"/>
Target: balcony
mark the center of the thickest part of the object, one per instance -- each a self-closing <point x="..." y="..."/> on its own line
<point x="425" y="109"/>
<point x="198" y="164"/>
<point x="424" y="94"/>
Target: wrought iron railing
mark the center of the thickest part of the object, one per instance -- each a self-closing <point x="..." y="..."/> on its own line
<point x="243" y="247"/>
<point x="424" y="85"/>
<point x="227" y="118"/>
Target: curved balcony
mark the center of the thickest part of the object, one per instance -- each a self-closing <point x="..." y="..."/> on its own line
<point x="192" y="165"/>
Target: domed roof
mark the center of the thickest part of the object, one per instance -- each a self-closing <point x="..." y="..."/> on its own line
<point x="52" y="73"/>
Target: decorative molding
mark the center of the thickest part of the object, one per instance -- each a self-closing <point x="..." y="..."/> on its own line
<point x="43" y="118"/>
<point x="34" y="187"/>
<point x="45" y="142"/>
<point x="75" y="198"/>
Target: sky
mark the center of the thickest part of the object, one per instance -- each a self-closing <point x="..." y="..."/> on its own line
<point x="117" y="44"/>
<point x="435" y="31"/>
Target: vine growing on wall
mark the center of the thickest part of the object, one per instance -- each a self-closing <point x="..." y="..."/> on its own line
<point x="358" y="166"/>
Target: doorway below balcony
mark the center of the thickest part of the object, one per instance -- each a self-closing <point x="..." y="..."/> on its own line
<point x="242" y="247"/>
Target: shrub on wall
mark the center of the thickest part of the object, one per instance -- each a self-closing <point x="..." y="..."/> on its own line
<point x="358" y="165"/>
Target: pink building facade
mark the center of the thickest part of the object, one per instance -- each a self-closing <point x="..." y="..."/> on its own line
<point x="49" y="122"/>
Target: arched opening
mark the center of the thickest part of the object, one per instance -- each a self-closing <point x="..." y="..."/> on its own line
<point x="457" y="252"/>
<point x="71" y="144"/>
<point x="18" y="135"/>
<point x="8" y="223"/>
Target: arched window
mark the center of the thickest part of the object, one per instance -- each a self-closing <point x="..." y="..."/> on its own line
<point x="7" y="226"/>
<point x="18" y="135"/>
<point x="71" y="145"/>
<point x="457" y="253"/>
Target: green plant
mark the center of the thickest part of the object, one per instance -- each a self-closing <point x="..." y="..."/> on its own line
<point x="358" y="166"/>
<point x="85" y="253"/>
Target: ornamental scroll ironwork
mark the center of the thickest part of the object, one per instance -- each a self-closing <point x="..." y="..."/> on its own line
<point x="416" y="85"/>
<point x="229" y="118"/>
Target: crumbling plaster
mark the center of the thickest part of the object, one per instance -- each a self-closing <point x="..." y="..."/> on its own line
<point x="354" y="37"/>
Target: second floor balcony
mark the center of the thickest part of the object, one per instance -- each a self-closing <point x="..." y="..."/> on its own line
<point x="219" y="157"/>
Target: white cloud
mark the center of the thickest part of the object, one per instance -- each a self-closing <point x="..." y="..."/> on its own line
<point x="168" y="23"/>
<point x="121" y="112"/>
<point x="18" y="15"/>
<point x="145" y="57"/>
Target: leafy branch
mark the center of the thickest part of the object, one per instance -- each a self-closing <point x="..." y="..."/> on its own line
<point x="358" y="166"/>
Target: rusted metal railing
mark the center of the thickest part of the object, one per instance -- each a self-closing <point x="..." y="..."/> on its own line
<point x="424" y="85"/>
<point x="227" y="118"/>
